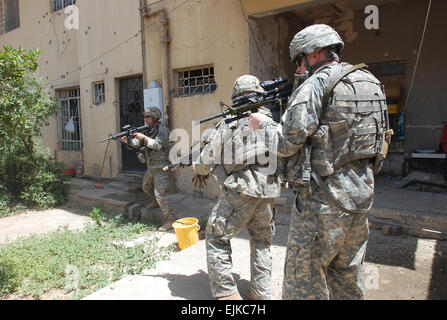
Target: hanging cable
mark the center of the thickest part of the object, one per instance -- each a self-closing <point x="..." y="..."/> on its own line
<point x="119" y="44"/>
<point x="417" y="59"/>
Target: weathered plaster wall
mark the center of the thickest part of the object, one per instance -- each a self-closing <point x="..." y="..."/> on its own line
<point x="106" y="46"/>
<point x="199" y="36"/>
<point x="269" y="46"/>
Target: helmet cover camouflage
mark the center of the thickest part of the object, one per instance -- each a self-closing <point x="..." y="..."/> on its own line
<point x="153" y="112"/>
<point x="314" y="38"/>
<point x="246" y="83"/>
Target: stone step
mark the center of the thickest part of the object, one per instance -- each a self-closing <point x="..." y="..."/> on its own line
<point x="126" y="186"/>
<point x="131" y="176"/>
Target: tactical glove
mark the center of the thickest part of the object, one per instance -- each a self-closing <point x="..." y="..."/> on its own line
<point x="199" y="181"/>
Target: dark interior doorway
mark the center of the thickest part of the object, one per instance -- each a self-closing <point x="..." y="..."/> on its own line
<point x="131" y="113"/>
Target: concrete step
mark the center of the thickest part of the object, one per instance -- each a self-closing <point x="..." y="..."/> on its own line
<point x="88" y="194"/>
<point x="126" y="186"/>
<point x="131" y="176"/>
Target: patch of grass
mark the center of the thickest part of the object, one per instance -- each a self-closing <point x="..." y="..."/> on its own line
<point x="79" y="263"/>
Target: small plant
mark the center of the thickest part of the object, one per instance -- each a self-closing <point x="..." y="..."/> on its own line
<point x="97" y="216"/>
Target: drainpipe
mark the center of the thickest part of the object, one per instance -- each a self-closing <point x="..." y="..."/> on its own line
<point x="164" y="41"/>
<point x="143" y="11"/>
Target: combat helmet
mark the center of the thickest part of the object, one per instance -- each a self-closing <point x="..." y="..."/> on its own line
<point x="153" y="112"/>
<point x="246" y="83"/>
<point x="313" y="38"/>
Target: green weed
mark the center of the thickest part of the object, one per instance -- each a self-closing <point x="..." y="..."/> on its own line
<point x="78" y="263"/>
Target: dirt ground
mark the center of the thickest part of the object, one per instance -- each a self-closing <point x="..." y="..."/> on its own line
<point x="396" y="267"/>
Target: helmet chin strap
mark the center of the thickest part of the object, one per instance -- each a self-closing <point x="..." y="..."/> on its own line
<point x="311" y="69"/>
<point x="300" y="78"/>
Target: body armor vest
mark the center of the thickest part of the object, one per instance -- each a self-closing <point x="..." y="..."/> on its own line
<point x="353" y="124"/>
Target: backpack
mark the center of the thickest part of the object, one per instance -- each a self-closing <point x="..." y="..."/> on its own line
<point x="352" y="126"/>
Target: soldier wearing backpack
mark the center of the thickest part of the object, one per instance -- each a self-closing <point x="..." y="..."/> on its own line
<point x="333" y="137"/>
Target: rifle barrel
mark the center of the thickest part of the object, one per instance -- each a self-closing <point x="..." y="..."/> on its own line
<point x="109" y="138"/>
<point x="214" y="117"/>
<point x="126" y="132"/>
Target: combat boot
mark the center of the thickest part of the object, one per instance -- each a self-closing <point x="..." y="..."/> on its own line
<point x="234" y="296"/>
<point x="166" y="226"/>
<point x="253" y="296"/>
<point x="153" y="205"/>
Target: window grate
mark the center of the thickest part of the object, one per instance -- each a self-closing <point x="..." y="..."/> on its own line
<point x="60" y="4"/>
<point x="196" y="81"/>
<point x="70" y="107"/>
<point x="9" y="15"/>
<point x="99" y="91"/>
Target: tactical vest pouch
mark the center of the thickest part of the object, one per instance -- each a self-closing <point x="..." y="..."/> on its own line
<point x="141" y="157"/>
<point x="382" y="153"/>
<point x="158" y="155"/>
<point x="358" y="132"/>
<point x="294" y="168"/>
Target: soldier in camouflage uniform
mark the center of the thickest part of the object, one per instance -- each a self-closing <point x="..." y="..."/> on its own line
<point x="336" y="144"/>
<point x="156" y="182"/>
<point x="247" y="200"/>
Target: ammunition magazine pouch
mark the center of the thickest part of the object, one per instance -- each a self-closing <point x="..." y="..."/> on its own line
<point x="382" y="153"/>
<point x="334" y="201"/>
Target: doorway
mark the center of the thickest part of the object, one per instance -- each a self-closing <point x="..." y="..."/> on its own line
<point x="131" y="113"/>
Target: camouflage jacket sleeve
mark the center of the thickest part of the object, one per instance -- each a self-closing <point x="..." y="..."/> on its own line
<point x="301" y="119"/>
<point x="161" y="140"/>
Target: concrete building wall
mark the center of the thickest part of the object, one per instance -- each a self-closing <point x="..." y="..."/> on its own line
<point x="198" y="37"/>
<point x="106" y="46"/>
<point x="203" y="33"/>
<point x="236" y="37"/>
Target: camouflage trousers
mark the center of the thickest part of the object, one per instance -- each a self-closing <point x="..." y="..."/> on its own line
<point x="325" y="252"/>
<point x="157" y="184"/>
<point x="232" y="212"/>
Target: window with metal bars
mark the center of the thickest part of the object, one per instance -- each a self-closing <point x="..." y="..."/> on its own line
<point x="9" y="15"/>
<point x="99" y="92"/>
<point x="70" y="115"/>
<point x="196" y="81"/>
<point x="60" y="4"/>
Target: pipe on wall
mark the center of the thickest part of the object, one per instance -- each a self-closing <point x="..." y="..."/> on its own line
<point x="143" y="10"/>
<point x="164" y="41"/>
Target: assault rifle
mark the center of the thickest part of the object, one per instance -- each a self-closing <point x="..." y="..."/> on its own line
<point x="128" y="131"/>
<point x="277" y="91"/>
<point x="198" y="180"/>
<point x="185" y="161"/>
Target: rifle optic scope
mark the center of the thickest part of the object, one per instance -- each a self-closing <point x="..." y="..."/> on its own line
<point x="270" y="84"/>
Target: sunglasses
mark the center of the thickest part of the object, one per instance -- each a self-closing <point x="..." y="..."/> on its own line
<point x="299" y="59"/>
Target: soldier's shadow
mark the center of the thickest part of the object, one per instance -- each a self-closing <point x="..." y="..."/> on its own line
<point x="196" y="286"/>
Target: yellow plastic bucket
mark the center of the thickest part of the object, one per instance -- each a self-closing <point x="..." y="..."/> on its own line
<point x="187" y="232"/>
